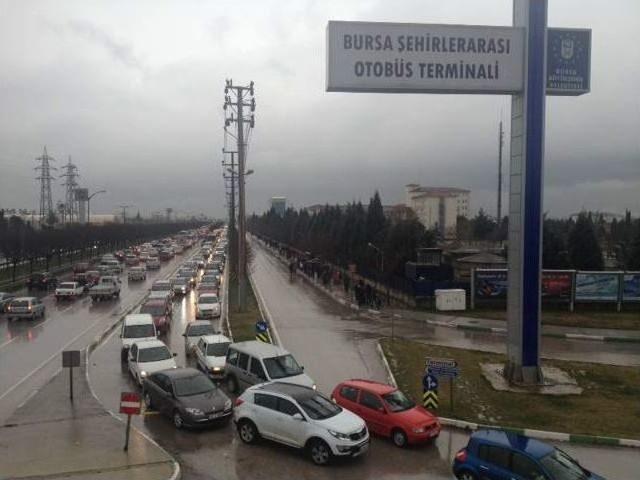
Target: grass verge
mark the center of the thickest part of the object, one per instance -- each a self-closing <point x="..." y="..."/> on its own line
<point x="596" y="318"/>
<point x="243" y="324"/>
<point x="608" y="405"/>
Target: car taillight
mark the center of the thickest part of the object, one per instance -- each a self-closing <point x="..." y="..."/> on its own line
<point x="461" y="456"/>
<point x="239" y="402"/>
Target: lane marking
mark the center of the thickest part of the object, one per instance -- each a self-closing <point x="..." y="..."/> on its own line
<point x="56" y="353"/>
<point x="33" y="328"/>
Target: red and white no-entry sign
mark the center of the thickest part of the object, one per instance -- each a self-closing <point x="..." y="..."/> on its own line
<point x="130" y="403"/>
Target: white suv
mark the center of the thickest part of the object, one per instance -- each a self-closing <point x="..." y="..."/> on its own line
<point x="300" y="417"/>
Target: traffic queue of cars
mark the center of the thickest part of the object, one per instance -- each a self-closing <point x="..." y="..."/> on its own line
<point x="101" y="281"/>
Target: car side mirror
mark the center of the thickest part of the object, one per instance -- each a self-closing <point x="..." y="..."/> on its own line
<point x="302" y="367"/>
<point x="184" y="334"/>
<point x="382" y="410"/>
<point x="175" y="354"/>
<point x="298" y="416"/>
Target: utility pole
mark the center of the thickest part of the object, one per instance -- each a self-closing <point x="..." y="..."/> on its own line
<point x="70" y="175"/>
<point x="45" y="177"/>
<point x="241" y="93"/>
<point x="500" y="143"/>
<point x="124" y="212"/>
<point x="230" y="176"/>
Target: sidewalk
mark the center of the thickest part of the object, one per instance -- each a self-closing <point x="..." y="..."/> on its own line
<point x="49" y="437"/>
<point x="468" y="323"/>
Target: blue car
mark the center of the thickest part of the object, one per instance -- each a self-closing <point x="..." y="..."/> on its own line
<point x="496" y="455"/>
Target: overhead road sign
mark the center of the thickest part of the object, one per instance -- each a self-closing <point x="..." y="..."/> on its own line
<point x="424" y="58"/>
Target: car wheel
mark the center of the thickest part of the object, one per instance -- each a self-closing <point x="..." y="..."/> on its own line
<point x="466" y="475"/>
<point x="232" y="384"/>
<point x="399" y="438"/>
<point x="178" y="422"/>
<point x="248" y="431"/>
<point x="147" y="401"/>
<point x="320" y="452"/>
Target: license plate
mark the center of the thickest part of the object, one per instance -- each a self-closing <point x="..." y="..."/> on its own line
<point x="215" y="415"/>
<point x="361" y="449"/>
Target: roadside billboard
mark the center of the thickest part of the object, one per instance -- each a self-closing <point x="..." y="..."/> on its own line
<point x="556" y="284"/>
<point x="491" y="284"/>
<point x="597" y="286"/>
<point x="631" y="287"/>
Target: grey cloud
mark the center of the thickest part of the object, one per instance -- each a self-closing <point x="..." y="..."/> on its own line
<point x="119" y="50"/>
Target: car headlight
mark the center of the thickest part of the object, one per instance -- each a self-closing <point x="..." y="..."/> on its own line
<point x="418" y="430"/>
<point x="143" y="374"/>
<point x="194" y="411"/>
<point x="314" y="386"/>
<point x="227" y="404"/>
<point x="338" y="435"/>
<point x="216" y="369"/>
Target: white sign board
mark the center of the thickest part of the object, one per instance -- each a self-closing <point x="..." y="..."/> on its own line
<point x="422" y="58"/>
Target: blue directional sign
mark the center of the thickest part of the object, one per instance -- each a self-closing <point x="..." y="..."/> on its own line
<point x="442" y="367"/>
<point x="261" y="326"/>
<point x="430" y="382"/>
<point x="568" y="61"/>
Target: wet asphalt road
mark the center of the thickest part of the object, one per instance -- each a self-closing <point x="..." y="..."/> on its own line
<point x="333" y="344"/>
<point x="30" y="351"/>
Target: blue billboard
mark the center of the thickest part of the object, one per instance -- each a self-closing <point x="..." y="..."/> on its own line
<point x="597" y="286"/>
<point x="491" y="284"/>
<point x="631" y="287"/>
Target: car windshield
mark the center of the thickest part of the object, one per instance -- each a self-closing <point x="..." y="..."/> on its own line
<point x="67" y="285"/>
<point x="139" y="331"/>
<point x="154" y="310"/>
<point x="319" y="407"/>
<point x="397" y="402"/>
<point x="195" y="385"/>
<point x="282" y="366"/>
<point x="562" y="467"/>
<point x="200" y="330"/>
<point x="154" y="354"/>
<point x="20" y="303"/>
<point x="212" y="299"/>
<point x="217" y="349"/>
<point x="161" y="288"/>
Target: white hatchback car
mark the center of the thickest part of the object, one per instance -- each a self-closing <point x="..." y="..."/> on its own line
<point x="300" y="417"/>
<point x="211" y="355"/>
<point x="149" y="357"/>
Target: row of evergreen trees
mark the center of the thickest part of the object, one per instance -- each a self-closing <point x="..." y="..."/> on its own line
<point x="20" y="242"/>
<point x="342" y="235"/>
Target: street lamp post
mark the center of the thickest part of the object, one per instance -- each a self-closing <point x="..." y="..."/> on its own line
<point x="89" y="203"/>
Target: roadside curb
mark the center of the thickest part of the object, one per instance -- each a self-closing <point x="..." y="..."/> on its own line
<point x="265" y="313"/>
<point x="532" y="433"/>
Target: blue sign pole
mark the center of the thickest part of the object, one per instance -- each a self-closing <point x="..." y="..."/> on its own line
<point x="525" y="199"/>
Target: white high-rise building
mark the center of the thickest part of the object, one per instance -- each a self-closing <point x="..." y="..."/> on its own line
<point x="438" y="207"/>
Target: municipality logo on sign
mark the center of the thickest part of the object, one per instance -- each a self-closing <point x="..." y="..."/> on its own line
<point x="568" y="61"/>
<point x="566" y="50"/>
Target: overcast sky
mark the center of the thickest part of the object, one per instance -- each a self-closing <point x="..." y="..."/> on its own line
<point x="133" y="91"/>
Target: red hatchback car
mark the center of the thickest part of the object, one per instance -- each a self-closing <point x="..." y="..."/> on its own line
<point x="387" y="411"/>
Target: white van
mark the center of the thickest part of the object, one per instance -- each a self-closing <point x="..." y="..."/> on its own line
<point x="136" y="327"/>
<point x="252" y="362"/>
